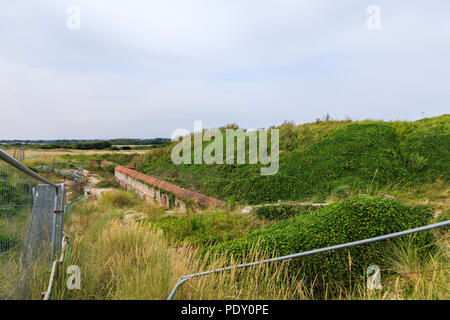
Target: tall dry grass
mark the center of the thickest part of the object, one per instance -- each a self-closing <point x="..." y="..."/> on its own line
<point x="132" y="261"/>
<point x="124" y="259"/>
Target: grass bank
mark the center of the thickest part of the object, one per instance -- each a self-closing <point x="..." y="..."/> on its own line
<point x="326" y="159"/>
<point x="126" y="250"/>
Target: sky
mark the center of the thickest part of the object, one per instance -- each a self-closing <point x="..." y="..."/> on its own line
<point x="142" y="69"/>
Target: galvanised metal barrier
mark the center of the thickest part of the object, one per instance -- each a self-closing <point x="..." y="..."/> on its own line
<point x="311" y="252"/>
<point x="19" y="154"/>
<point x="31" y="221"/>
<point x="66" y="170"/>
<point x="56" y="267"/>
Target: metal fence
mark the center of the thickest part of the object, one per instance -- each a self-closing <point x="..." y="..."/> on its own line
<point x="19" y="154"/>
<point x="65" y="170"/>
<point x="31" y="220"/>
<point x="344" y="263"/>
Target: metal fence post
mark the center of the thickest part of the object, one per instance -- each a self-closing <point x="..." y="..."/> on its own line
<point x="62" y="188"/>
<point x="53" y="166"/>
<point x="30" y="225"/>
<point x="54" y="225"/>
<point x="33" y="229"/>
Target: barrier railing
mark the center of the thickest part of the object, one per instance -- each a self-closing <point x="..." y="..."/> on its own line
<point x="182" y="279"/>
<point x="31" y="221"/>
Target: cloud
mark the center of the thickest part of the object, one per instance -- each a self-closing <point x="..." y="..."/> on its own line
<point x="145" y="68"/>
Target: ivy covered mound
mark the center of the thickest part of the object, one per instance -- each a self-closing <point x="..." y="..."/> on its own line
<point x="355" y="218"/>
<point x="338" y="158"/>
<point x="283" y="211"/>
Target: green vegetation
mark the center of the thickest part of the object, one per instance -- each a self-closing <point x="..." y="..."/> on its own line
<point x="324" y="159"/>
<point x="205" y="228"/>
<point x="122" y="259"/>
<point x="8" y="193"/>
<point x="377" y="178"/>
<point x="92" y="160"/>
<point x="86" y="144"/>
<point x="113" y="238"/>
<point x="8" y="242"/>
<point x="140" y="142"/>
<point x="16" y="202"/>
<point x="348" y="220"/>
<point x="106" y="184"/>
<point x="13" y="195"/>
<point x="91" y="145"/>
<point x="119" y="199"/>
<point x="283" y="211"/>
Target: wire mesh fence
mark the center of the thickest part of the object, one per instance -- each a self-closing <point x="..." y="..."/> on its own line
<point x="31" y="217"/>
<point x="19" y="154"/>
<point x="16" y="206"/>
<point x="66" y="170"/>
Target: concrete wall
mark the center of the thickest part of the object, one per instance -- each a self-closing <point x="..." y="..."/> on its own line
<point x="150" y="188"/>
<point x="148" y="192"/>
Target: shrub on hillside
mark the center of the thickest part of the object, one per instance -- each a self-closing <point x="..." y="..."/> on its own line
<point x="105" y="184"/>
<point x="8" y="242"/>
<point x="119" y="199"/>
<point x="355" y="218"/>
<point x="8" y="193"/>
<point x="336" y="158"/>
<point x="427" y="149"/>
<point x="263" y="189"/>
<point x="206" y="228"/>
<point x="358" y="156"/>
<point x="283" y="211"/>
<point x="10" y="197"/>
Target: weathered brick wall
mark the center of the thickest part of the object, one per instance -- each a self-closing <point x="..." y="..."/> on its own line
<point x="150" y="188"/>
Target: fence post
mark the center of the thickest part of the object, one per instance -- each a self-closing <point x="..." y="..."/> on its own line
<point x="54" y="228"/>
<point x="61" y="215"/>
<point x="29" y="226"/>
<point x="56" y="212"/>
<point x="40" y="204"/>
<point x="53" y="165"/>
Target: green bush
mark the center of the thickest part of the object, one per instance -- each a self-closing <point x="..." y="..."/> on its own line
<point x="9" y="195"/>
<point x="357" y="156"/>
<point x="337" y="158"/>
<point x="8" y="242"/>
<point x="7" y="212"/>
<point x="104" y="184"/>
<point x="120" y="199"/>
<point x="206" y="228"/>
<point x="355" y="218"/>
<point x="426" y="147"/>
<point x="283" y="211"/>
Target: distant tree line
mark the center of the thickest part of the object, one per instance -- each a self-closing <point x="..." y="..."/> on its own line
<point x="86" y="144"/>
<point x="139" y="142"/>
<point x="92" y="145"/>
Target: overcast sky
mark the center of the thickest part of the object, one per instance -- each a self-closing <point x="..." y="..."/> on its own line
<point x="145" y="68"/>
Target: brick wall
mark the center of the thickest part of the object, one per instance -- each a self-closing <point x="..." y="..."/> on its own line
<point x="153" y="189"/>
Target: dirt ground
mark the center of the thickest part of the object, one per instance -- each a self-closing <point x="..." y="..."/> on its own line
<point x="92" y="180"/>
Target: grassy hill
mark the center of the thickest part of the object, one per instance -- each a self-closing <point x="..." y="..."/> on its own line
<point x="323" y="159"/>
<point x="348" y="162"/>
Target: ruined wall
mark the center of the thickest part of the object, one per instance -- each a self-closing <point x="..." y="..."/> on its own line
<point x="162" y="191"/>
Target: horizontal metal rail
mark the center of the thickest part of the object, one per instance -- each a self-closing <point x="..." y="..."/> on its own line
<point x="306" y="253"/>
<point x="7" y="158"/>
